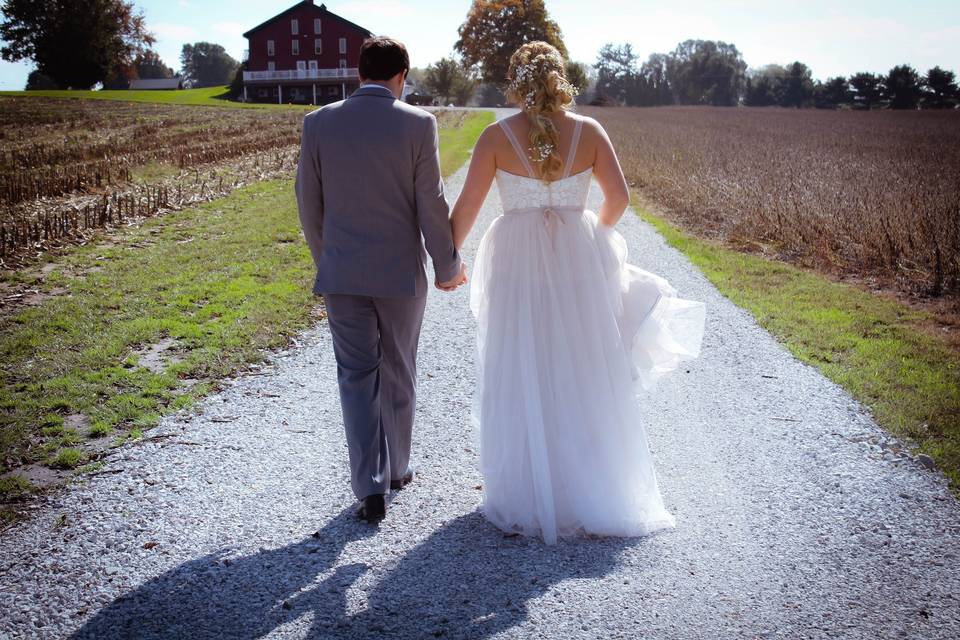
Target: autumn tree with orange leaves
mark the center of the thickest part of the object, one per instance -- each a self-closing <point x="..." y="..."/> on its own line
<point x="494" y="29"/>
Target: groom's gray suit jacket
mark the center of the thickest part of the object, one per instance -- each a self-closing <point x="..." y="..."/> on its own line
<point x="368" y="185"/>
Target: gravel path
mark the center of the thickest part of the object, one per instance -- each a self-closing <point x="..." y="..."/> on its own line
<point x="796" y="518"/>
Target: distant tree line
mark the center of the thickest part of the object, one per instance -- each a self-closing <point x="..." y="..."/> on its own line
<point x="696" y="72"/>
<point x="901" y="88"/>
<point x="77" y="45"/>
<point x="714" y="73"/>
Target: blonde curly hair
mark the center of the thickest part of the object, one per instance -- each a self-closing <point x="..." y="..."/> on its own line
<point x="538" y="84"/>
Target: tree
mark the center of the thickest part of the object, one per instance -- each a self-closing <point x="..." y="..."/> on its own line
<point x="149" y="66"/>
<point x="903" y="87"/>
<point x="577" y="75"/>
<point x="490" y="95"/>
<point x="450" y="80"/>
<point x="798" y="86"/>
<point x="37" y="81"/>
<point x="706" y="72"/>
<point x="494" y="29"/>
<point x="464" y="89"/>
<point x="654" y="72"/>
<point x="120" y="78"/>
<point x="616" y="67"/>
<point x="765" y="86"/>
<point x="832" y="93"/>
<point x="205" y="64"/>
<point x="868" y="89"/>
<point x="416" y="76"/>
<point x="941" y="89"/>
<point x="76" y="44"/>
<point x="235" y="92"/>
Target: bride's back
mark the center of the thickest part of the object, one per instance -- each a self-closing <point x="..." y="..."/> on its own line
<point x="506" y="157"/>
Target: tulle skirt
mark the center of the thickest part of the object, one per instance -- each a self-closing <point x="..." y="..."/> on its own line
<point x="568" y="332"/>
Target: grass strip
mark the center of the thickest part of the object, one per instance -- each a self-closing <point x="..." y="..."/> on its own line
<point x="459" y="141"/>
<point x="207" y="96"/>
<point x="876" y="348"/>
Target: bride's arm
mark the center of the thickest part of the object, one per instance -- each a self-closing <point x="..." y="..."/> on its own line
<point x="609" y="175"/>
<point x="480" y="175"/>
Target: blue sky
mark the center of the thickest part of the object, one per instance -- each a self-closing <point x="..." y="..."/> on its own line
<point x="833" y="38"/>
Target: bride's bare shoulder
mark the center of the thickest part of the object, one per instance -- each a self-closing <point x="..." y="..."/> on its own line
<point x="589" y="124"/>
<point x="492" y="134"/>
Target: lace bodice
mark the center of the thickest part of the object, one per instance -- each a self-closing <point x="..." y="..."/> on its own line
<point x="521" y="192"/>
<point x="528" y="192"/>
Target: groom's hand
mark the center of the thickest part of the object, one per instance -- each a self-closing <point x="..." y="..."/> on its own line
<point x="459" y="279"/>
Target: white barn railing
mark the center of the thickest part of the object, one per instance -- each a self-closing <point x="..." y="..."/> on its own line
<point x="302" y="74"/>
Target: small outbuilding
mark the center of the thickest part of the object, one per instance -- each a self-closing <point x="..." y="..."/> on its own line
<point x="159" y="83"/>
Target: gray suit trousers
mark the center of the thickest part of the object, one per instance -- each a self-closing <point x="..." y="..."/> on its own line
<point x="375" y="343"/>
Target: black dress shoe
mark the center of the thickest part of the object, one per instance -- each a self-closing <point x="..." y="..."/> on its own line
<point x="373" y="508"/>
<point x="402" y="481"/>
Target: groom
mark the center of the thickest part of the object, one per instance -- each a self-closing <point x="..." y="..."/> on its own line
<point x="368" y="187"/>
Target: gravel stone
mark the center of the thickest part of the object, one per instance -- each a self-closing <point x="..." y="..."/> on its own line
<point x="237" y="521"/>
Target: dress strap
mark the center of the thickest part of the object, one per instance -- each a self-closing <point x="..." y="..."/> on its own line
<point x="516" y="147"/>
<point x="573" y="147"/>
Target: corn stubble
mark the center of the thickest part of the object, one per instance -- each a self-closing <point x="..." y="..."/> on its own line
<point x="69" y="166"/>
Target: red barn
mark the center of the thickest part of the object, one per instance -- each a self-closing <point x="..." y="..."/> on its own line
<point x="305" y="54"/>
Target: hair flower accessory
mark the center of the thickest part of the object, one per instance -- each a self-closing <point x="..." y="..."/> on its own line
<point x="538" y="84"/>
<point x="539" y="67"/>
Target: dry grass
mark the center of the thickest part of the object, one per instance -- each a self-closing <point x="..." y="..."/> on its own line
<point x="871" y="195"/>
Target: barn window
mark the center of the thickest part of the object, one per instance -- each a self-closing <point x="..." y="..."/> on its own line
<point x="294" y="26"/>
<point x="316" y="26"/>
<point x="318" y="46"/>
<point x="343" y="45"/>
<point x="271" y="66"/>
<point x="295" y="47"/>
<point x="343" y="64"/>
<point x="270" y="48"/>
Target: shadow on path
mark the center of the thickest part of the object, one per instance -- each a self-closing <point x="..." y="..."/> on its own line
<point x="464" y="581"/>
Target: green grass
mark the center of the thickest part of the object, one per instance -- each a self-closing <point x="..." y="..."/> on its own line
<point x="68" y="458"/>
<point x="225" y="280"/>
<point x="208" y="96"/>
<point x="879" y="350"/>
<point x="456" y="143"/>
<point x="15" y="487"/>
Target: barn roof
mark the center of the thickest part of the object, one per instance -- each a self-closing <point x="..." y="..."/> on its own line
<point x="324" y="11"/>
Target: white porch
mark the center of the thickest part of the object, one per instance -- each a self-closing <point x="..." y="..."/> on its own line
<point x="301" y="74"/>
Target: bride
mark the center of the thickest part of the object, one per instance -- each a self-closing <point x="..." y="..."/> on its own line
<point x="567" y="330"/>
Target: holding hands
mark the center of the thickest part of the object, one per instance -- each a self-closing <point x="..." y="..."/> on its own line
<point x="459" y="279"/>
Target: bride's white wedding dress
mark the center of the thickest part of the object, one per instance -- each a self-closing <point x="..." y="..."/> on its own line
<point x="567" y="334"/>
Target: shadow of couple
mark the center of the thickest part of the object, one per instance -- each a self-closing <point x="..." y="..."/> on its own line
<point x="464" y="580"/>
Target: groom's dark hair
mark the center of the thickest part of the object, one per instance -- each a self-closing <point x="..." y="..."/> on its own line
<point x="381" y="58"/>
